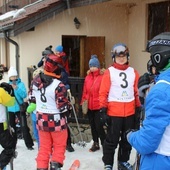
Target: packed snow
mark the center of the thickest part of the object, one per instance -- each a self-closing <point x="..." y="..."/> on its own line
<point x="88" y="160"/>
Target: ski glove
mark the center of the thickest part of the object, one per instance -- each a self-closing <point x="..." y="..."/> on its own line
<point x="103" y="116"/>
<point x="7" y="87"/>
<point x="143" y="84"/>
<point x="137" y="117"/>
<point x="128" y="132"/>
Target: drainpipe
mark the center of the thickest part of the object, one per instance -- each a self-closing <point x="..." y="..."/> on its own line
<point x="17" y="50"/>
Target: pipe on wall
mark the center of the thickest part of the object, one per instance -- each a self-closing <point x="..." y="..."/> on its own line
<point x="17" y="50"/>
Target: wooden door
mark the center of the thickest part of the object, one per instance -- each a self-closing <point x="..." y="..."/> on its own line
<point x="88" y="47"/>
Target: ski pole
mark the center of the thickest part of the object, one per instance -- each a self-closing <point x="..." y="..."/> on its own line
<point x="81" y="143"/>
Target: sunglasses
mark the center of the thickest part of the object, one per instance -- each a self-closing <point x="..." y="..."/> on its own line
<point x="13" y="80"/>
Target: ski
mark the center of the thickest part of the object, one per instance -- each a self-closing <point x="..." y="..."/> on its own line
<point x="75" y="165"/>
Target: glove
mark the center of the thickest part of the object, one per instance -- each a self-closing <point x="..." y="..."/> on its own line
<point x="7" y="87"/>
<point x="103" y="116"/>
<point x="31" y="107"/>
<point x="143" y="84"/>
<point x="128" y="132"/>
<point x="137" y="117"/>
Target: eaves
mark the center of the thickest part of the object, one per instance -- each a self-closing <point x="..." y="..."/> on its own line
<point x="38" y="13"/>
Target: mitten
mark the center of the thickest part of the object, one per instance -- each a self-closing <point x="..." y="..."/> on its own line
<point x="7" y="87"/>
<point x="31" y="107"/>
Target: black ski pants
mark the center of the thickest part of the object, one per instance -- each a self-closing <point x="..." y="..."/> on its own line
<point x="24" y="127"/>
<point x="97" y="129"/>
<point x="8" y="143"/>
<point x="116" y="134"/>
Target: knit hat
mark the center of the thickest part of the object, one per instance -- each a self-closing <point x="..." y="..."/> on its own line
<point x="12" y="72"/>
<point x="94" y="62"/>
<point x="59" y="48"/>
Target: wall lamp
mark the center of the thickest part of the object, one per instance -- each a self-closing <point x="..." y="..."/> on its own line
<point x="77" y="23"/>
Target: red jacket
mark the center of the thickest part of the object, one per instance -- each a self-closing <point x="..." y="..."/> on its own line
<point x="91" y="89"/>
<point x="115" y="108"/>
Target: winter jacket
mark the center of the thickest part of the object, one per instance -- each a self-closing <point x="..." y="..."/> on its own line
<point x="118" y="91"/>
<point x="91" y="89"/>
<point x="152" y="141"/>
<point x="20" y="94"/>
<point x="51" y="100"/>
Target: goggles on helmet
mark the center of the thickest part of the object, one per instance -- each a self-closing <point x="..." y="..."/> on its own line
<point x="120" y="49"/>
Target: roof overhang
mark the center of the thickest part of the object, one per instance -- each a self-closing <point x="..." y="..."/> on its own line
<point x="38" y="13"/>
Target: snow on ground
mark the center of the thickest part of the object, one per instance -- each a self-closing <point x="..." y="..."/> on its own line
<point x="88" y="160"/>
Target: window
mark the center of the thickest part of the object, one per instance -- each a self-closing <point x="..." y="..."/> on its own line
<point x="158" y="18"/>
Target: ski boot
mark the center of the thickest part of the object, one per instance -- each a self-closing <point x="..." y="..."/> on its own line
<point x="55" y="166"/>
<point x="69" y="148"/>
<point x="108" y="167"/>
<point x="94" y="147"/>
<point x="124" y="166"/>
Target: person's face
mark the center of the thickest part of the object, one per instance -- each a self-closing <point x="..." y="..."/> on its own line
<point x="153" y="70"/>
<point x="121" y="59"/>
<point x="93" y="69"/>
<point x="13" y="79"/>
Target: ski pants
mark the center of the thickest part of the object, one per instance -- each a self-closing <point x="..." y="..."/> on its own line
<point x="52" y="147"/>
<point x="8" y="143"/>
<point x="97" y="129"/>
<point x="116" y="134"/>
<point x="24" y="127"/>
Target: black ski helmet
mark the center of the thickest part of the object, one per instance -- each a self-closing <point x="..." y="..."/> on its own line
<point x="159" y="48"/>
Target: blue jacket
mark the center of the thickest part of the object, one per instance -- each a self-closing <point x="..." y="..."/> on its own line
<point x="147" y="140"/>
<point x="20" y="93"/>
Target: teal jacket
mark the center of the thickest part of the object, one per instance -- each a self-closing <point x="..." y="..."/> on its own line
<point x="20" y="94"/>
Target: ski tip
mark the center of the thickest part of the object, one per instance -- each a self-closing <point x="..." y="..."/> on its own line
<point x="75" y="165"/>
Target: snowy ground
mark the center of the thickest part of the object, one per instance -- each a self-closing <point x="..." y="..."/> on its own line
<point x="88" y="160"/>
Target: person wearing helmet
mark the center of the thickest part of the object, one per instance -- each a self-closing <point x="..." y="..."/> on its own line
<point x="118" y="97"/>
<point x="52" y="106"/>
<point x="152" y="140"/>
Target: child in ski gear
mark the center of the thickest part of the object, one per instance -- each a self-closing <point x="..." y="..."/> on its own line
<point x="20" y="94"/>
<point x="52" y="106"/>
<point x="152" y="140"/>
<point x="91" y="93"/>
<point x="118" y="97"/>
<point x="59" y="51"/>
<point x="64" y="78"/>
<point x="7" y="140"/>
